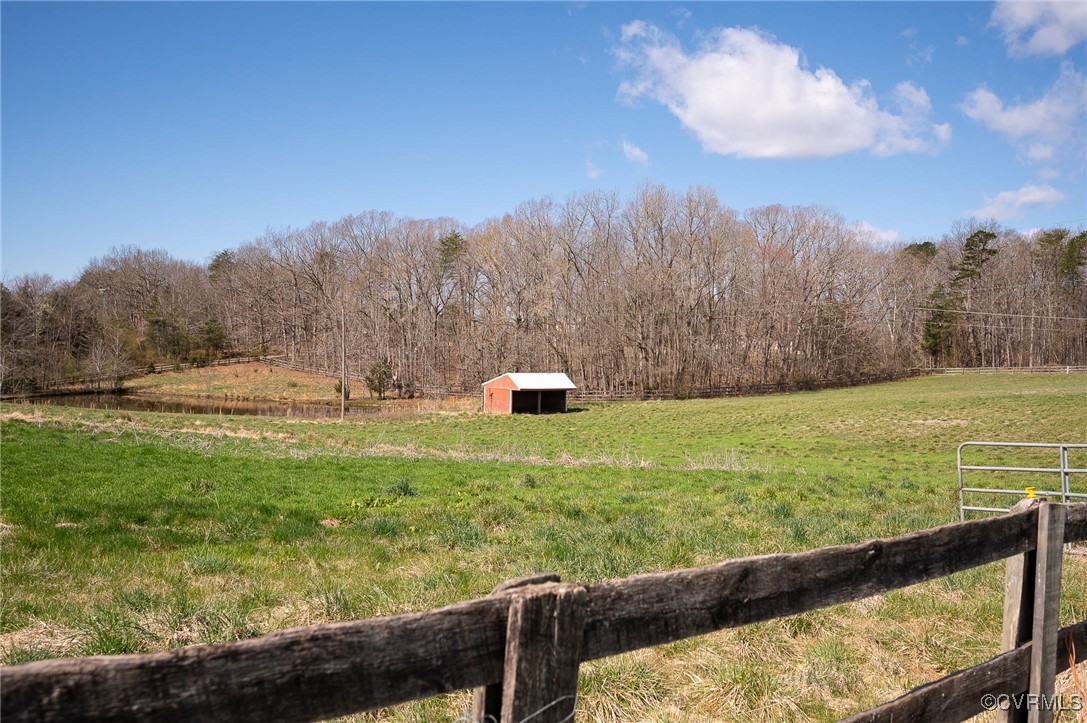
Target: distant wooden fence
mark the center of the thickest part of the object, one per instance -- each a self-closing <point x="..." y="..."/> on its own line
<point x="520" y="648"/>
<point x="1010" y="370"/>
<point x="159" y="368"/>
<point x="741" y="390"/>
<point x="319" y="371"/>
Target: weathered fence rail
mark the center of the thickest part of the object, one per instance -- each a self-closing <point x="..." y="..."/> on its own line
<point x="957" y="696"/>
<point x="1065" y="369"/>
<point x="319" y="371"/>
<point x="521" y="646"/>
<point x="209" y="363"/>
<point x="739" y="390"/>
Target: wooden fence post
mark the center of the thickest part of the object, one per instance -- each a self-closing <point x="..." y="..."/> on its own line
<point x="1032" y="588"/>
<point x="543" y="651"/>
<point x="487" y="700"/>
<point x="1019" y="592"/>
<point x="1047" y="606"/>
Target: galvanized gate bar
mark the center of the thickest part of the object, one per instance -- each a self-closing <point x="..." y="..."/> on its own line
<point x="1064" y="470"/>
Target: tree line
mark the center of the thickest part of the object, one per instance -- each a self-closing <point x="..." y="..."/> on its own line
<point x="661" y="292"/>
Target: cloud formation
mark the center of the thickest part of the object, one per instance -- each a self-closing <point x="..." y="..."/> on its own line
<point x="918" y="56"/>
<point x="879" y="237"/>
<point x="743" y="93"/>
<point x="1040" y="28"/>
<point x="1008" y="205"/>
<point x="634" y="153"/>
<point x="1055" y="118"/>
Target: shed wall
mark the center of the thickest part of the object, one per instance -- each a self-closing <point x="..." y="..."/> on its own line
<point x="496" y="399"/>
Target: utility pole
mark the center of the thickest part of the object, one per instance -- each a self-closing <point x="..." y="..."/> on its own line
<point x="343" y="364"/>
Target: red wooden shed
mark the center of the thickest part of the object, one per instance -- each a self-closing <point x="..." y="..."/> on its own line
<point x="526" y="393"/>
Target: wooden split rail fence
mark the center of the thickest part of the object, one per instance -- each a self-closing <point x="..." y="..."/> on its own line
<point x="228" y="361"/>
<point x="740" y="390"/>
<point x="1058" y="369"/>
<point x="319" y="371"/>
<point x="521" y="646"/>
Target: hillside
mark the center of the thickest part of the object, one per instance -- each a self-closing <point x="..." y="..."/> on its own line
<point x="240" y="381"/>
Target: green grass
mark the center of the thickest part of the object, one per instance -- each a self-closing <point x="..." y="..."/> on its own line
<point x="129" y="532"/>
<point x="894" y="422"/>
<point x="895" y="425"/>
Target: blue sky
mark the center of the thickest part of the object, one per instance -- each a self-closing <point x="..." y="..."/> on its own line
<point x="194" y="127"/>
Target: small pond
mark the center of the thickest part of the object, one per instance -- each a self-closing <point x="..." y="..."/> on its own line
<point x="178" y="405"/>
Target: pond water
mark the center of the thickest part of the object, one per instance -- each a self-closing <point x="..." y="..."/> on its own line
<point x="177" y="405"/>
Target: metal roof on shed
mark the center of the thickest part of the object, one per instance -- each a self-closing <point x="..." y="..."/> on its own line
<point x="537" y="381"/>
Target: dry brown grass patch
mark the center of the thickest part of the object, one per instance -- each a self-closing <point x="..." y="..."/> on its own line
<point x="53" y="637"/>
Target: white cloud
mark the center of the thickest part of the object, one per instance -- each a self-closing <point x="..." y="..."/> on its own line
<point x="634" y="29"/>
<point x="1058" y="109"/>
<point x="1040" y="28"/>
<point x="592" y="170"/>
<point x="962" y="41"/>
<point x="918" y="56"/>
<point x="905" y="135"/>
<point x="634" y="153"/>
<point x="876" y="236"/>
<point x="1048" y="174"/>
<point x="1055" y="118"/>
<point x="743" y="93"/>
<point x="1010" y="204"/>
<point x="1040" y="151"/>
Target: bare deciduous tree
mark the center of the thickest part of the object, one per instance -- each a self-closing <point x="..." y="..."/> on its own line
<point x="669" y="292"/>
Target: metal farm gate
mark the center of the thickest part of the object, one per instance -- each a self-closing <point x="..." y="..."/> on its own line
<point x="1064" y="468"/>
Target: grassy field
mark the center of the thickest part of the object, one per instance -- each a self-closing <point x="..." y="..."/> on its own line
<point x="131" y="532"/>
